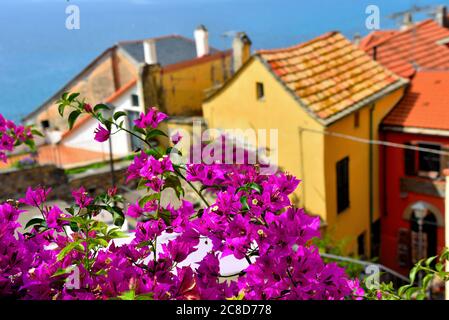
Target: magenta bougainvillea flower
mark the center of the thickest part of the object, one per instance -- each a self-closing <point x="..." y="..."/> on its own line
<point x="88" y="108"/>
<point x="150" y="119"/>
<point x="101" y="134"/>
<point x="247" y="216"/>
<point x="176" y="138"/>
<point x="35" y="197"/>
<point x="82" y="197"/>
<point x="11" y="135"/>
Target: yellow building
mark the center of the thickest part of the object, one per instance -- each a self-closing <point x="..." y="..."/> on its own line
<point x="325" y="97"/>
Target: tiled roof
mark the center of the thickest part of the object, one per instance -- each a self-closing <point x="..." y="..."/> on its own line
<point x="169" y="49"/>
<point x="426" y="103"/>
<point x="329" y="74"/>
<point x="375" y="37"/>
<point x="415" y="48"/>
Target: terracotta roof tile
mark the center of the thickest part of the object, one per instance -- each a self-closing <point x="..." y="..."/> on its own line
<point x="425" y="104"/>
<point x="329" y="74"/>
<point x="404" y="51"/>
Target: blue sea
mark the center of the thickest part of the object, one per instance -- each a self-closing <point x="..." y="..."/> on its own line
<point x="38" y="55"/>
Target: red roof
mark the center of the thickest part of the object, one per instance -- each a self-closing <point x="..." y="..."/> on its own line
<point x="375" y="37"/>
<point x="425" y="105"/>
<point x="329" y="74"/>
<point x="415" y="48"/>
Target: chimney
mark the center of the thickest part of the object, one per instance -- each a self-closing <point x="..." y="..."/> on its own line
<point x="149" y="51"/>
<point x="441" y="16"/>
<point x="202" y="41"/>
<point x="357" y="38"/>
<point x="241" y="50"/>
<point x="407" y="21"/>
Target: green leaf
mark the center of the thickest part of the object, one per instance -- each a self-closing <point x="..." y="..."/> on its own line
<point x="410" y="292"/>
<point x="116" y="233"/>
<point x="72" y="118"/>
<point x="101" y="242"/>
<point x="146" y="296"/>
<point x="403" y="289"/>
<point x="426" y="280"/>
<point x="118" y="216"/>
<point x="129" y="295"/>
<point x="430" y="260"/>
<point x="37" y="132"/>
<point x="61" y="108"/>
<point x="244" y="202"/>
<point x="65" y="95"/>
<point x="144" y="200"/>
<point x="34" y="221"/>
<point x="61" y="272"/>
<point x="155" y="133"/>
<point x="73" y="96"/>
<point x="30" y="143"/>
<point x="74" y="226"/>
<point x="68" y="248"/>
<point x="413" y="273"/>
<point x="101" y="106"/>
<point x="256" y="187"/>
<point x="119" y="114"/>
<point x="139" y="130"/>
<point x="173" y="182"/>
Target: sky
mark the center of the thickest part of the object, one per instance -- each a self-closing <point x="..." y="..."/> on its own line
<point x="38" y="55"/>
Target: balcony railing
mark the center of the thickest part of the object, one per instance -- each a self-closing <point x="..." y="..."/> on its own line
<point x="427" y="186"/>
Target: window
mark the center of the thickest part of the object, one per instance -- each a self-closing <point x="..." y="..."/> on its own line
<point x="409" y="161"/>
<point x="135" y="100"/>
<point x="361" y="245"/>
<point x="45" y="124"/>
<point x="260" y="91"/>
<point x="342" y="185"/>
<point x="429" y="161"/>
<point x="356" y="119"/>
<point x="136" y="143"/>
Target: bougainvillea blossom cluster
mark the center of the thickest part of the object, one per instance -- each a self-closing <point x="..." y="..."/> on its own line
<point x="69" y="254"/>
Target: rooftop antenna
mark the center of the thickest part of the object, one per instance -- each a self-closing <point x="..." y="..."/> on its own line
<point x="405" y="21"/>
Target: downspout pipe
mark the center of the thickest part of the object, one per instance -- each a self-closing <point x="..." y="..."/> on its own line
<point x="371" y="179"/>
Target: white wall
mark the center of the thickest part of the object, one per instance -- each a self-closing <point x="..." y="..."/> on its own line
<point x="83" y="137"/>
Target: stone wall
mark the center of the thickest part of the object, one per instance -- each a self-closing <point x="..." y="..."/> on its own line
<point x="14" y="183"/>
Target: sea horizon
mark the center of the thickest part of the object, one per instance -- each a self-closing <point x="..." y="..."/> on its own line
<point x="38" y="55"/>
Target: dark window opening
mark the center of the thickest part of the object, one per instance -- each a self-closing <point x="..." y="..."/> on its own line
<point x="260" y="90"/>
<point x="361" y="245"/>
<point x="45" y="124"/>
<point x="136" y="143"/>
<point x="429" y="162"/>
<point x="342" y="184"/>
<point x="409" y="161"/>
<point x="356" y="119"/>
<point x="135" y="100"/>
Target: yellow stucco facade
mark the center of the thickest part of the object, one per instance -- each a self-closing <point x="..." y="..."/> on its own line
<point x="304" y="149"/>
<point x="185" y="85"/>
